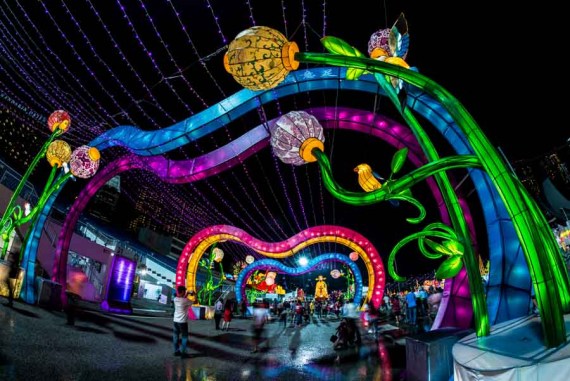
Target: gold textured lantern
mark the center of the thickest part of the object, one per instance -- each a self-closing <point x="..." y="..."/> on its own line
<point x="58" y="152"/>
<point x="259" y="58"/>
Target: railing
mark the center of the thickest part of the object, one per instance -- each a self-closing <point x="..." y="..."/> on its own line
<point x="10" y="179"/>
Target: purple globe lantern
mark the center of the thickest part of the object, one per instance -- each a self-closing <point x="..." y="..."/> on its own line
<point x="84" y="162"/>
<point x="295" y="135"/>
<point x="379" y="40"/>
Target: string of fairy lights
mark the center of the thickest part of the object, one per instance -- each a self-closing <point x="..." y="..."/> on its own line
<point x="126" y="63"/>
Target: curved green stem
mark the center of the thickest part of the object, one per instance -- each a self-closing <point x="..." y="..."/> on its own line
<point x="10" y="207"/>
<point x="396" y="186"/>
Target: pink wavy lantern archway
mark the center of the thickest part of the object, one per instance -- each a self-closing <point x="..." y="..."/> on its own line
<point x="187" y="268"/>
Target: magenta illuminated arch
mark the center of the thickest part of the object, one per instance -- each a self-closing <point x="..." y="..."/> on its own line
<point x="188" y="262"/>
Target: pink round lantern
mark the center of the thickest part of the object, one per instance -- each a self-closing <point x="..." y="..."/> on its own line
<point x="59" y="120"/>
<point x="295" y="135"/>
<point x="84" y="162"/>
<point x="335" y="273"/>
<point x="353" y="256"/>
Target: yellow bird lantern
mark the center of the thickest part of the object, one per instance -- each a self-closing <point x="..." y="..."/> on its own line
<point x="366" y="178"/>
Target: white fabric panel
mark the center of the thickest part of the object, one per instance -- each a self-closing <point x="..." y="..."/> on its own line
<point x="514" y="351"/>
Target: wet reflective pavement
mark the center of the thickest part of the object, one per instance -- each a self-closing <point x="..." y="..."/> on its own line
<point x="37" y="344"/>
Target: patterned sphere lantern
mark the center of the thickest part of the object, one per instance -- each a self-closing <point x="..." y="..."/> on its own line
<point x="353" y="256"/>
<point x="249" y="259"/>
<point x="295" y="135"/>
<point x="218" y="254"/>
<point x="335" y="273"/>
<point x="59" y="120"/>
<point x="84" y="162"/>
<point x="58" y="152"/>
<point x="259" y="58"/>
<point x="379" y="44"/>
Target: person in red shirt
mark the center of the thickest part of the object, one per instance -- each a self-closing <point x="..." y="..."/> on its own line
<point x="228" y="314"/>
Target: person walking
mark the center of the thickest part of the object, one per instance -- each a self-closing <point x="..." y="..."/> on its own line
<point x="13" y="272"/>
<point x="396" y="308"/>
<point x="228" y="314"/>
<point x="299" y="310"/>
<point x="218" y="312"/>
<point x="411" y="308"/>
<point x="260" y="314"/>
<point x="180" y="321"/>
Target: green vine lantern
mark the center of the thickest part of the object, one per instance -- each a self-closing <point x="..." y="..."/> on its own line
<point x="538" y="243"/>
<point x="206" y="293"/>
<point x="58" y="154"/>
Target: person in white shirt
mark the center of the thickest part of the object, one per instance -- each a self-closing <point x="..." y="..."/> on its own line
<point x="218" y="312"/>
<point x="260" y="317"/>
<point x="180" y="320"/>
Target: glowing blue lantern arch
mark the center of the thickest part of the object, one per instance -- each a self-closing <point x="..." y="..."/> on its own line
<point x="280" y="268"/>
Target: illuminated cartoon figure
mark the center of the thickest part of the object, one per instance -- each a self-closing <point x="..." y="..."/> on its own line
<point x="268" y="284"/>
<point x="300" y="294"/>
<point x="321" y="292"/>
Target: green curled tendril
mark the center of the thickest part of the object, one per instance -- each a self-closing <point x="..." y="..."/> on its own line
<point x="431" y="249"/>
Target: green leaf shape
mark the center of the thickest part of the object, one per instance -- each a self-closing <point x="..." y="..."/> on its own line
<point x="450" y="267"/>
<point x="454" y="246"/>
<point x="353" y="73"/>
<point x="438" y="247"/>
<point x="398" y="159"/>
<point x="336" y="45"/>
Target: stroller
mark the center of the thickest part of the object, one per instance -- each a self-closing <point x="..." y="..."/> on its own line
<point x="347" y="334"/>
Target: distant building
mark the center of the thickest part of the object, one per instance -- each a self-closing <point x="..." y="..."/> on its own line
<point x="104" y="204"/>
<point x="547" y="178"/>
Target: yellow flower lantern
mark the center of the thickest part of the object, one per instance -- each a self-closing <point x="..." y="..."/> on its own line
<point x="259" y="58"/>
<point x="58" y="152"/>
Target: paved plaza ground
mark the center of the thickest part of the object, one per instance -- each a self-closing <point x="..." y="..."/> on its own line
<point x="37" y="344"/>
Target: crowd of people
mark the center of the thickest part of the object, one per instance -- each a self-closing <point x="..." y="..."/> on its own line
<point x="413" y="308"/>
